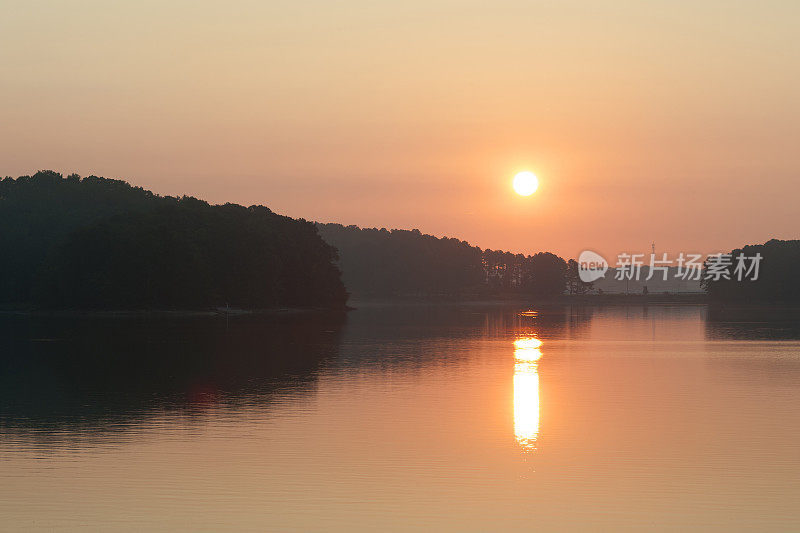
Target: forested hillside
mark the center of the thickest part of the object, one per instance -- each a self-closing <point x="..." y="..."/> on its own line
<point x="778" y="277"/>
<point x="389" y="263"/>
<point x="98" y="243"/>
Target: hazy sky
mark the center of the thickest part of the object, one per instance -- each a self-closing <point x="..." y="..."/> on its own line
<point x="666" y="121"/>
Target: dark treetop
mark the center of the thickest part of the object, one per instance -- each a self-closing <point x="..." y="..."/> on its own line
<point x="388" y="263"/>
<point x="97" y="243"/>
<point x="778" y="275"/>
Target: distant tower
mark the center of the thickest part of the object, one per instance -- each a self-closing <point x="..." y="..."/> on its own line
<point x="653" y="247"/>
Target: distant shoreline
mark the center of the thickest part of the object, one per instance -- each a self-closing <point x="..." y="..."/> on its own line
<point x="365" y="303"/>
<point x="172" y="313"/>
<point x="516" y="299"/>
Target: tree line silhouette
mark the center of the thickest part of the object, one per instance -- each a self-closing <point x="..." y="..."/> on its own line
<point x="390" y="263"/>
<point x="778" y="275"/>
<point x="96" y="243"/>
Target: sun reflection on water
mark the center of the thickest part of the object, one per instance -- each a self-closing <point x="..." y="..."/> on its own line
<point x="526" y="391"/>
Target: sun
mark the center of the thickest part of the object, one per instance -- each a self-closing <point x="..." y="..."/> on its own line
<point x="525" y="183"/>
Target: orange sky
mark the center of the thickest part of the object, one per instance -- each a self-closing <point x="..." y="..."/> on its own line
<point x="674" y="122"/>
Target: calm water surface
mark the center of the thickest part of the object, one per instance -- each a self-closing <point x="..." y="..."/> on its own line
<point x="468" y="418"/>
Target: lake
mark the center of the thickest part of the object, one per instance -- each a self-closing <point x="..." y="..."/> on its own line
<point x="405" y="417"/>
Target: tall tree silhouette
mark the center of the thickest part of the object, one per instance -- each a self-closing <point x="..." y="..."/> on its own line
<point x="575" y="285"/>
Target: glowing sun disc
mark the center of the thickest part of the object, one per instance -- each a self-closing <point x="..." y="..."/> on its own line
<point x="525" y="183"/>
